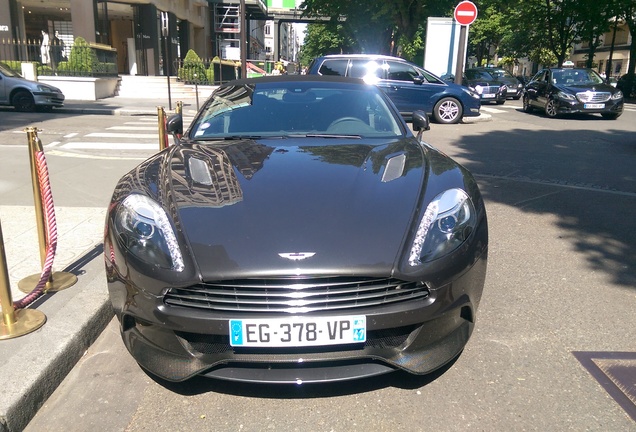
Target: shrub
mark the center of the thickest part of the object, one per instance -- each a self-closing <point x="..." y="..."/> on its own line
<point x="82" y="60"/>
<point x="193" y="69"/>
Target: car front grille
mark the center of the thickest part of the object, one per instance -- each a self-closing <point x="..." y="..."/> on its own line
<point x="490" y="90"/>
<point x="295" y="295"/>
<point x="590" y="96"/>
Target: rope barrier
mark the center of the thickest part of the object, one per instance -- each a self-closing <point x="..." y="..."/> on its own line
<point x="51" y="231"/>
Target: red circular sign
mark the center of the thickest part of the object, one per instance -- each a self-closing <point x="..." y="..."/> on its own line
<point x="466" y="13"/>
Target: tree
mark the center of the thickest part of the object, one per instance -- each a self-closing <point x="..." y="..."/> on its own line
<point x="378" y="26"/>
<point x="322" y="39"/>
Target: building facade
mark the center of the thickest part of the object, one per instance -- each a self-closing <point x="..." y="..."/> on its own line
<point x="142" y="32"/>
<point x="615" y="43"/>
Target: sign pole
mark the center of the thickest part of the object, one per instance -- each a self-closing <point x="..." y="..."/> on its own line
<point x="465" y="14"/>
<point x="461" y="53"/>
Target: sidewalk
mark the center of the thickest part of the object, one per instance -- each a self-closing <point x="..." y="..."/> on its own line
<point x="34" y="365"/>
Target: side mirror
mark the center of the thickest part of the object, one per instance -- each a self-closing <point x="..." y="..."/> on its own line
<point x="418" y="79"/>
<point x="420" y="123"/>
<point x="175" y="126"/>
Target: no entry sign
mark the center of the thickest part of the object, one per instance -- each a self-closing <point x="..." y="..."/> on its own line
<point x="465" y="13"/>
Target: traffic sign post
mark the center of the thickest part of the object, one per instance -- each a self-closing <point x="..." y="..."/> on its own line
<point x="465" y="15"/>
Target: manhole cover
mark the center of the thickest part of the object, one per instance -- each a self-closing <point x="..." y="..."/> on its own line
<point x="616" y="373"/>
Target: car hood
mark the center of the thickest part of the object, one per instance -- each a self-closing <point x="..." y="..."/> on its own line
<point x="586" y="87"/>
<point x="268" y="207"/>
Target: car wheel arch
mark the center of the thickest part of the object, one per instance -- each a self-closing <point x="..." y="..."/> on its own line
<point x="26" y="95"/>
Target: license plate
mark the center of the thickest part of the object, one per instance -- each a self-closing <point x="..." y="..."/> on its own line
<point x="594" y="106"/>
<point x="486" y="96"/>
<point x="298" y="331"/>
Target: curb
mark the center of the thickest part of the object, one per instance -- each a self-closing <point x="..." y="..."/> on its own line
<point x="36" y="364"/>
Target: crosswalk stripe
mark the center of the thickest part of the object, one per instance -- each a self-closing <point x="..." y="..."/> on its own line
<point x="89" y="145"/>
<point x="492" y="110"/>
<point x="133" y="128"/>
<point x="119" y="135"/>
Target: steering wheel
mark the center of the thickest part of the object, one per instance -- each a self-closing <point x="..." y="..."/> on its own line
<point x="342" y="122"/>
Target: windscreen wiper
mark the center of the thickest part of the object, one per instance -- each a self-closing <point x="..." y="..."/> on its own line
<point x="320" y="135"/>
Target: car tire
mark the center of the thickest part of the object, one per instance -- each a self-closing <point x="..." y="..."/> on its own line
<point x="611" y="116"/>
<point x="551" y="109"/>
<point x="501" y="102"/>
<point x="516" y="97"/>
<point x="527" y="108"/>
<point x="23" y="101"/>
<point x="448" y="110"/>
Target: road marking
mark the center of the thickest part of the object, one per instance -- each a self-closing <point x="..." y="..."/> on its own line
<point x="133" y="128"/>
<point x="492" y="110"/>
<point x="119" y="135"/>
<point x="110" y="146"/>
<point x="71" y="135"/>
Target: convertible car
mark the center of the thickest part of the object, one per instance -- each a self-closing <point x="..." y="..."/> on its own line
<point x="297" y="232"/>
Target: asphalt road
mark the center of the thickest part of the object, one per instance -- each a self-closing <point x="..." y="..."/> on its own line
<point x="561" y="200"/>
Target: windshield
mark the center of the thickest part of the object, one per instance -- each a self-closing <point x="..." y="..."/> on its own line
<point x="479" y="75"/>
<point x="296" y="108"/>
<point x="498" y="73"/>
<point x="576" y="77"/>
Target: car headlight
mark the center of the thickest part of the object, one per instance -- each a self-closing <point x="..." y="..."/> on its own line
<point x="478" y="89"/>
<point x="447" y="222"/>
<point x="566" y="96"/>
<point x="618" y="95"/>
<point x="145" y="231"/>
<point x="44" y="88"/>
<point x="471" y="93"/>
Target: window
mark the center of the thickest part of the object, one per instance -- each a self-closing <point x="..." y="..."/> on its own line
<point x="365" y="69"/>
<point x="334" y="67"/>
<point x="401" y="71"/>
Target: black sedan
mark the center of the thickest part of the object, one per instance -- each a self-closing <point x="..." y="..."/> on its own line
<point x="557" y="91"/>
<point x="296" y="232"/>
<point x="489" y="88"/>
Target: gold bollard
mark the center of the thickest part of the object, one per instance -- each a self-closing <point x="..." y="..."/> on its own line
<point x="14" y="322"/>
<point x="58" y="280"/>
<point x="161" y="126"/>
<point x="179" y="108"/>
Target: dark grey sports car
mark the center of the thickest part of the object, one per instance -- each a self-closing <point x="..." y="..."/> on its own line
<point x="297" y="232"/>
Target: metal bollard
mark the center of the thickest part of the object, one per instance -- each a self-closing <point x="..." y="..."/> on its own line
<point x="161" y="126"/>
<point x="179" y="108"/>
<point x="14" y="322"/>
<point x="58" y="280"/>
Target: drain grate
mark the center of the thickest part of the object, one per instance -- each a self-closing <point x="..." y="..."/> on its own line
<point x="616" y="373"/>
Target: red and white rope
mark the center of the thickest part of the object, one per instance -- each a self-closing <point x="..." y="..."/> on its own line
<point x="51" y="231"/>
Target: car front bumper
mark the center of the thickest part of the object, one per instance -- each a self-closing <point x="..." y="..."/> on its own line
<point x="576" y="107"/>
<point x="48" y="99"/>
<point x="177" y="343"/>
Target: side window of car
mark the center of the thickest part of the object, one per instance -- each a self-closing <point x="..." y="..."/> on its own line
<point x="400" y="71"/>
<point x="541" y="76"/>
<point x="337" y="67"/>
<point x="362" y="68"/>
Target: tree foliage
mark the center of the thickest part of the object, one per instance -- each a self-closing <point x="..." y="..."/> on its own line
<point x="542" y="30"/>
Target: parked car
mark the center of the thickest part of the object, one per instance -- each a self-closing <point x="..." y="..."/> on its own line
<point x="490" y="89"/>
<point x="627" y="85"/>
<point x="558" y="91"/>
<point x="514" y="88"/>
<point x="409" y="86"/>
<point x="25" y="95"/>
<point x="297" y="232"/>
